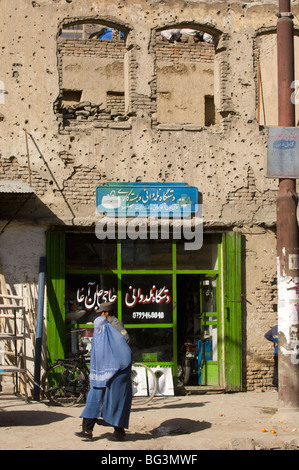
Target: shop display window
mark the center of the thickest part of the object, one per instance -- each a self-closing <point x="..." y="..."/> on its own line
<point x="152" y="344"/>
<point x="146" y="254"/>
<point x="147" y="298"/>
<point x="85" y="251"/>
<point x="209" y="294"/>
<point x="206" y="258"/>
<point x="210" y="342"/>
<point x="165" y="295"/>
<point x="85" y="292"/>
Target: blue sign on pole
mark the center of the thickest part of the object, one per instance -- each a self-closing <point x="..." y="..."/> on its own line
<point x="143" y="199"/>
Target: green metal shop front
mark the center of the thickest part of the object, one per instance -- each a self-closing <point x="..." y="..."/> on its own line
<point x="165" y="295"/>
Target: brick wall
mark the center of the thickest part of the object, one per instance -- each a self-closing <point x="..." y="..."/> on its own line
<point x="11" y="169"/>
<point x="225" y="161"/>
<point x="182" y="52"/>
<point x="90" y="47"/>
<point x="163" y="51"/>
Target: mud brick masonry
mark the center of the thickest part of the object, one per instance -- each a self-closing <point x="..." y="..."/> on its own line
<point x="141" y="108"/>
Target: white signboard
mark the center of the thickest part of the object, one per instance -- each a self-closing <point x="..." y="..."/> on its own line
<point x="283" y="152"/>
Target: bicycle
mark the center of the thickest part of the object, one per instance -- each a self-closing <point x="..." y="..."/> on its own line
<point x="66" y="382"/>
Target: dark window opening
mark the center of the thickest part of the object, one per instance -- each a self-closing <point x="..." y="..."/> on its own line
<point x="209" y="110"/>
<point x="91" y="75"/>
<point x="70" y="97"/>
<point x="185" y="76"/>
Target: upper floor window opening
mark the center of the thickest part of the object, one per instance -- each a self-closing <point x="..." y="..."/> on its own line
<point x="74" y="31"/>
<point x="92" y="82"/>
<point x="91" y="31"/>
<point x="185" y="76"/>
<point x="186" y="35"/>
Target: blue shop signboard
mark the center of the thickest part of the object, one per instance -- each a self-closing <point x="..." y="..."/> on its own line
<point x="143" y="199"/>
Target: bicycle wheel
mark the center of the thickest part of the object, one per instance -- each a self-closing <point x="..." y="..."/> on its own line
<point x="149" y="387"/>
<point x="65" y="384"/>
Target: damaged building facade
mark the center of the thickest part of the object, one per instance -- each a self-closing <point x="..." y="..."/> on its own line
<point x="169" y="95"/>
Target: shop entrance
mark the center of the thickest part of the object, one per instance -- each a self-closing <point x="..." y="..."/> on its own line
<point x="165" y="295"/>
<point x="198" y="325"/>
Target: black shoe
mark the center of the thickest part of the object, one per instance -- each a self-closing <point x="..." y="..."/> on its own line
<point x="118" y="436"/>
<point x="84" y="435"/>
<point x="101" y="422"/>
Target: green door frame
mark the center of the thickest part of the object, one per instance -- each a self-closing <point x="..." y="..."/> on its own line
<point x="231" y="292"/>
<point x="211" y="370"/>
<point x="55" y="250"/>
<point x="232" y="285"/>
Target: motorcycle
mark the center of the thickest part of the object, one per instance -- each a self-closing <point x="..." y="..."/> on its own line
<point x="187" y="363"/>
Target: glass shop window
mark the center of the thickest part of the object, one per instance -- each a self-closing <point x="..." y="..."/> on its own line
<point x="210" y="342"/>
<point x="206" y="258"/>
<point x="85" y="292"/>
<point x="146" y="254"/>
<point x="85" y="251"/>
<point x="151" y="344"/>
<point x="147" y="298"/>
<point x="83" y="295"/>
<point x="209" y="295"/>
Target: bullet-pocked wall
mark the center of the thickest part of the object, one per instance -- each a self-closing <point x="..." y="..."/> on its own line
<point x="139" y="106"/>
<point x="265" y="53"/>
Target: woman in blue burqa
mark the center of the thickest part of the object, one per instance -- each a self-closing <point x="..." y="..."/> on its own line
<point x="110" y="394"/>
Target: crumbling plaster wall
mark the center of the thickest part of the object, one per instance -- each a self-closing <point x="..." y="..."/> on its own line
<point x="225" y="161"/>
<point x="210" y="158"/>
<point x="266" y="65"/>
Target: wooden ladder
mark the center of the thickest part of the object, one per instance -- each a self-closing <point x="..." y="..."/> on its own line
<point x="12" y="336"/>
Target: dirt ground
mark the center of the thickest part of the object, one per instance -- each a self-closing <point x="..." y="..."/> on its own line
<point x="219" y="421"/>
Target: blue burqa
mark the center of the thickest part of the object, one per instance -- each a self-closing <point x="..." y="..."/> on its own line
<point x="110" y="394"/>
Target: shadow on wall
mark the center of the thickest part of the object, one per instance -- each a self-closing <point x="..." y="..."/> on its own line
<point x="25" y="208"/>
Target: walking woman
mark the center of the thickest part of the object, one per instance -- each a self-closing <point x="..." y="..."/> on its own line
<point x="110" y="394"/>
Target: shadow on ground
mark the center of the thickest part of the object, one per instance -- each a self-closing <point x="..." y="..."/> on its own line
<point x="178" y="426"/>
<point x="30" y="418"/>
<point x="165" y="404"/>
<point x="170" y="427"/>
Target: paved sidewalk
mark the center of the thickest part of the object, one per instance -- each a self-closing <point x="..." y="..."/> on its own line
<point x="219" y="421"/>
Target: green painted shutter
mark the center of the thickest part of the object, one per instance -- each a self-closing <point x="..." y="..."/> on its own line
<point x="55" y="295"/>
<point x="232" y="311"/>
